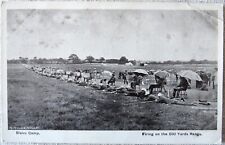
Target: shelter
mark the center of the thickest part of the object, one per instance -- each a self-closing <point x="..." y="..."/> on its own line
<point x="129" y="64"/>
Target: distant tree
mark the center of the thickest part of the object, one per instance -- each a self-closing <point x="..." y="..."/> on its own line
<point x="102" y="59"/>
<point x="112" y="60"/>
<point x="178" y="62"/>
<point x="192" y="61"/>
<point x="14" y="61"/>
<point x="133" y="62"/>
<point x="23" y="60"/>
<point x="74" y="58"/>
<point x="34" y="59"/>
<point x="169" y="62"/>
<point x="205" y="61"/>
<point x="123" y="60"/>
<point x="61" y="60"/>
<point x="40" y="61"/>
<point x="90" y="59"/>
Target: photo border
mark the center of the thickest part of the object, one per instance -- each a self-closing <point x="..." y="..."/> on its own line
<point x="110" y="137"/>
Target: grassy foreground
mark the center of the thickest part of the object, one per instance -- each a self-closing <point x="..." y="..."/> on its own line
<point x="37" y="102"/>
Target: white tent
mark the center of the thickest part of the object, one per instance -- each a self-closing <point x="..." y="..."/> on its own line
<point x="129" y="64"/>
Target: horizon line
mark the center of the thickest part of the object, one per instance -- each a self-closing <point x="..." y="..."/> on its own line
<point x="119" y="58"/>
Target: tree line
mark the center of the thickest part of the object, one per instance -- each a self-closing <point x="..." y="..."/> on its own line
<point x="74" y="59"/>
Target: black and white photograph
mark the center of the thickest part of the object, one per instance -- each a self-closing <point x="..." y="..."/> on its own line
<point x="112" y="69"/>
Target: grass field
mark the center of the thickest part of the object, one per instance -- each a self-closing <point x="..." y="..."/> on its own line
<point x="38" y="102"/>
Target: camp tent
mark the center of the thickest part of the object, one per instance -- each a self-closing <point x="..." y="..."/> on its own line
<point x="129" y="64"/>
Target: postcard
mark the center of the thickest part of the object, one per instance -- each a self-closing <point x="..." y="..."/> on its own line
<point x="112" y="72"/>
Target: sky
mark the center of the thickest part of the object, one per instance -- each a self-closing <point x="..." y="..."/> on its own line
<point x="153" y="35"/>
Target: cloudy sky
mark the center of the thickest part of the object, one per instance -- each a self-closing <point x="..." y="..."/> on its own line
<point x="140" y="34"/>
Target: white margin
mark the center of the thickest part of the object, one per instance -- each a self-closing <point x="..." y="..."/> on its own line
<point x="110" y="137"/>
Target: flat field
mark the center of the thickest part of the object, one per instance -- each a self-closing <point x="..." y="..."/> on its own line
<point x="38" y="102"/>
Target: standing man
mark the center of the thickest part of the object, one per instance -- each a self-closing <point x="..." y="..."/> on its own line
<point x="213" y="81"/>
<point x="125" y="77"/>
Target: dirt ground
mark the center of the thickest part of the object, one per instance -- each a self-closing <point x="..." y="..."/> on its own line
<point x="38" y="102"/>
